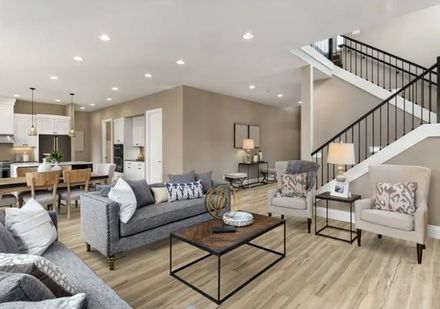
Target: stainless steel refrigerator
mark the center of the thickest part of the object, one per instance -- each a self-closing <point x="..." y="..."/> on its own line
<point x="49" y="143"/>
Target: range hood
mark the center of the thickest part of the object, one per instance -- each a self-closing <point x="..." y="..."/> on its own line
<point x="6" y="139"/>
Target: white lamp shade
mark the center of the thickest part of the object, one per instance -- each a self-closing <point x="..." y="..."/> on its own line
<point x="248" y="144"/>
<point x="341" y="154"/>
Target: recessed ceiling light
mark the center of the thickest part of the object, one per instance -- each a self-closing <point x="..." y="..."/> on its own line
<point x="104" y="37"/>
<point x="180" y="62"/>
<point x="16" y="95"/>
<point x="53" y="77"/>
<point x="251" y="86"/>
<point x="109" y="99"/>
<point x="92" y="104"/>
<point x="248" y="36"/>
<point x="78" y="58"/>
<point x="148" y="75"/>
<point x="82" y="107"/>
<point x="115" y="88"/>
<point x="57" y="100"/>
<point x="280" y="95"/>
<point x="300" y="102"/>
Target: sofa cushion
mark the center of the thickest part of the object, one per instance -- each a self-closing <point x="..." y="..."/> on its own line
<point x="389" y="219"/>
<point x="183" y="178"/>
<point x="156" y="215"/>
<point x="123" y="194"/>
<point x="22" y="287"/>
<point x="7" y="241"/>
<point x="205" y="179"/>
<point x="99" y="295"/>
<point x="78" y="301"/>
<point x="289" y="202"/>
<point x="142" y="191"/>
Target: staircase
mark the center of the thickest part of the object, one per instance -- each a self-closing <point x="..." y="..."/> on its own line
<point x="407" y="114"/>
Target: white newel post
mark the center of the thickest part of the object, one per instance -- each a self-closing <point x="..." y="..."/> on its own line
<point x="306" y="112"/>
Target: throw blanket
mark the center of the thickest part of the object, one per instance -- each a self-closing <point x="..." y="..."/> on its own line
<point x="301" y="166"/>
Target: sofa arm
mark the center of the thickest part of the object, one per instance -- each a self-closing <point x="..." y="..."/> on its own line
<point x="100" y="222"/>
<point x="359" y="205"/>
<point x="421" y="222"/>
<point x="270" y="195"/>
<point x="54" y="217"/>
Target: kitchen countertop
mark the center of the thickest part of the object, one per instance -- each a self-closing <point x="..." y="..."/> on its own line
<point x="14" y="166"/>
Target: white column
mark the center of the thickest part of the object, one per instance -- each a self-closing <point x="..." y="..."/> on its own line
<point x="306" y="112"/>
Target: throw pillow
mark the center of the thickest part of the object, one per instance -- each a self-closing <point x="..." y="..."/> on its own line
<point x="206" y="180"/>
<point x="142" y="192"/>
<point x="184" y="191"/>
<point x="77" y="301"/>
<point x="294" y="185"/>
<point x="160" y="194"/>
<point x="39" y="267"/>
<point x="183" y="178"/>
<point x="399" y="197"/>
<point x="103" y="190"/>
<point x="22" y="287"/>
<point x="7" y="241"/>
<point x="122" y="194"/>
<point x="31" y="226"/>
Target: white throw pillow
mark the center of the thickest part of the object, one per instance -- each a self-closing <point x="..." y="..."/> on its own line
<point x="123" y="194"/>
<point x="160" y="194"/>
<point x="31" y="226"/>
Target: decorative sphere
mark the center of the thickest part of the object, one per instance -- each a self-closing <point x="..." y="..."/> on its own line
<point x="217" y="199"/>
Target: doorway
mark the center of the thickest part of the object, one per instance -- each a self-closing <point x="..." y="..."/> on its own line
<point x="153" y="145"/>
<point x="107" y="138"/>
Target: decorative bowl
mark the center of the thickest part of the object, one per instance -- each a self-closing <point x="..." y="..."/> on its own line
<point x="238" y="218"/>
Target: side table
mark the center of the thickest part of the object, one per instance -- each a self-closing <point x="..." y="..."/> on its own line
<point x="326" y="196"/>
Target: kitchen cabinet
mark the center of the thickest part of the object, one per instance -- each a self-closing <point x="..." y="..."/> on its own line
<point x="118" y="130"/>
<point x="58" y="125"/>
<point x="22" y="124"/>
<point x="7" y="116"/>
<point x="138" y="132"/>
<point x="134" y="170"/>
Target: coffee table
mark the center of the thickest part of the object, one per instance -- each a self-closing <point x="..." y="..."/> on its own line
<point x="202" y="237"/>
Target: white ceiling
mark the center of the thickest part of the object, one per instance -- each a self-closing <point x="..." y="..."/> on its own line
<point x="39" y="39"/>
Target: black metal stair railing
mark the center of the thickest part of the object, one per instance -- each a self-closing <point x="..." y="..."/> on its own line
<point x="406" y="109"/>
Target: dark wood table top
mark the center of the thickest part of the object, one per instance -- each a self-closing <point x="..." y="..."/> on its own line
<point x="328" y="196"/>
<point x="252" y="163"/>
<point x="201" y="235"/>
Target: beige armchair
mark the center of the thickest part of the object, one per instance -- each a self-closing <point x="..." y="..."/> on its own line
<point x="394" y="224"/>
<point x="291" y="206"/>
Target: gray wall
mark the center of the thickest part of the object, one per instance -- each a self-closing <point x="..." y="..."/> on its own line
<point x="208" y="131"/>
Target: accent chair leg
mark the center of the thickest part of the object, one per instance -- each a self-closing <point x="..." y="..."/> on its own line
<point x="269" y="214"/>
<point x="88" y="248"/>
<point x="68" y="208"/>
<point x="359" y="236"/>
<point x="419" y="253"/>
<point x="379" y="236"/>
<point x="76" y="203"/>
<point x="282" y="217"/>
<point x="111" y="262"/>
<point x="423" y="246"/>
<point x="309" y="224"/>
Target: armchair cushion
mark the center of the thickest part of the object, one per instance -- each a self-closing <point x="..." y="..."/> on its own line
<point x="399" y="197"/>
<point x="388" y="218"/>
<point x="294" y="185"/>
<point x="289" y="202"/>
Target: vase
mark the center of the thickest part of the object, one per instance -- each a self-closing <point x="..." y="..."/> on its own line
<point x="45" y="166"/>
<point x="56" y="167"/>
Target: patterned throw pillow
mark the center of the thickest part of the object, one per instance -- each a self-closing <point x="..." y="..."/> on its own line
<point x="399" y="197"/>
<point x="184" y="191"/>
<point x="39" y="267"/>
<point x="294" y="185"/>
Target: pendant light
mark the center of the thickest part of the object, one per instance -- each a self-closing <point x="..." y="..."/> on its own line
<point x="32" y="131"/>
<point x="72" y="116"/>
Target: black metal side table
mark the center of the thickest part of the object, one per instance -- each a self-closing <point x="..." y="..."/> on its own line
<point x="248" y="165"/>
<point x="326" y="196"/>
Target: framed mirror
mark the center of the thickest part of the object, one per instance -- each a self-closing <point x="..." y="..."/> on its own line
<point x="240" y="133"/>
<point x="254" y="133"/>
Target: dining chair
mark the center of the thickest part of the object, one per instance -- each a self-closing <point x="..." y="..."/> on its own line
<point x="43" y="188"/>
<point x="106" y="169"/>
<point x="77" y="182"/>
<point x="22" y="170"/>
<point x="8" y="200"/>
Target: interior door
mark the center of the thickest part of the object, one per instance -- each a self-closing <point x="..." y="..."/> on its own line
<point x="153" y="130"/>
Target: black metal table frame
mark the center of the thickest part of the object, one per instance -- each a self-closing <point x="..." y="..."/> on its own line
<point x="218" y="300"/>
<point x="258" y="182"/>
<point x="318" y="232"/>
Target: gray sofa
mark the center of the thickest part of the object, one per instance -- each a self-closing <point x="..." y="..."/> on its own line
<point x="102" y="230"/>
<point x="81" y="277"/>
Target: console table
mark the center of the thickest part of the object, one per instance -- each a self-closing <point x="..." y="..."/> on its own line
<point x="248" y="166"/>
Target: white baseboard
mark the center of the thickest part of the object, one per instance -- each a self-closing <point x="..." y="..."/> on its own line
<point x="341" y="215"/>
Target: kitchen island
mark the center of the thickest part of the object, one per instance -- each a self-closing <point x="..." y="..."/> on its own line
<point x="75" y="165"/>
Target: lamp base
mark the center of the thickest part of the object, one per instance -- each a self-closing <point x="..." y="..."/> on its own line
<point x="340" y="177"/>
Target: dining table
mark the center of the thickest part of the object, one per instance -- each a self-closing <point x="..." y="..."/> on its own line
<point x="18" y="184"/>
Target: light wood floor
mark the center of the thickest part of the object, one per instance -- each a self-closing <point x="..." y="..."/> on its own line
<point x="317" y="273"/>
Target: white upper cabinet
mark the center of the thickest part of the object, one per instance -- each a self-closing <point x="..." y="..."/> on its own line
<point x="138" y="132"/>
<point x="118" y="131"/>
<point x="22" y="124"/>
<point x="7" y="116"/>
<point x="58" y="125"/>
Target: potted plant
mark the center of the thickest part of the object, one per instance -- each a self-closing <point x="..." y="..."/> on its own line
<point x="55" y="157"/>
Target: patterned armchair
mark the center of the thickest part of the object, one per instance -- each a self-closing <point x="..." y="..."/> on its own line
<point x="396" y="224"/>
<point x="291" y="206"/>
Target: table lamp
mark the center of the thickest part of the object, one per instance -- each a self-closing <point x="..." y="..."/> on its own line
<point x="341" y="154"/>
<point x="248" y="145"/>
